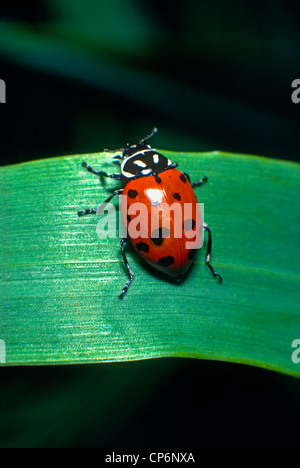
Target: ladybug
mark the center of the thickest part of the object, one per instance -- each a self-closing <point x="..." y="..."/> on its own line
<point x="164" y="240"/>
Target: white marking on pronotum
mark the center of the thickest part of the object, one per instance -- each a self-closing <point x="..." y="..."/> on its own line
<point x="169" y="162"/>
<point x="156" y="158"/>
<point x="140" y="163"/>
<point x="127" y="174"/>
<point x="147" y="171"/>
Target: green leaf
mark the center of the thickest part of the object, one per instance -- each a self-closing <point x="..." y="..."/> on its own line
<point x="60" y="282"/>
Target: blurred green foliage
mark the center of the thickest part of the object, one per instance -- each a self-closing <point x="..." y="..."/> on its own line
<point x="86" y="75"/>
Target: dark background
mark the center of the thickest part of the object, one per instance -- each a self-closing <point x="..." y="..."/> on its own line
<point x="82" y="76"/>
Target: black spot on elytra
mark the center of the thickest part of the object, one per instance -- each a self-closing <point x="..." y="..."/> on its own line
<point x="189" y="224"/>
<point x="142" y="247"/>
<point x="177" y="196"/>
<point x="132" y="193"/>
<point x="159" y="235"/>
<point x="183" y="178"/>
<point x="165" y="261"/>
<point x="192" y="254"/>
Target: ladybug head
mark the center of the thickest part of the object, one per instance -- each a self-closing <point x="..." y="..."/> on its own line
<point x="130" y="150"/>
<point x="141" y="160"/>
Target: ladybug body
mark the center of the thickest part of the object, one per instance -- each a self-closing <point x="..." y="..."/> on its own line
<point x="163" y="244"/>
<point x="160" y="211"/>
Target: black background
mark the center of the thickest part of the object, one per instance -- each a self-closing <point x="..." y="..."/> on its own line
<point x="228" y="67"/>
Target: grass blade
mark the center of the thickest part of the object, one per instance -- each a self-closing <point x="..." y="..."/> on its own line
<point x="60" y="282"/>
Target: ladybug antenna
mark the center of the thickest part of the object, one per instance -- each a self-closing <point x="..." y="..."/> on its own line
<point x="121" y="150"/>
<point x="154" y="131"/>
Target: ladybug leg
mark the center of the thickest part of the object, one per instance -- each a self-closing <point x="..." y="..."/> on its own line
<point x="208" y="254"/>
<point x="87" y="212"/>
<point x="197" y="182"/>
<point x="101" y="173"/>
<point x="125" y="289"/>
<point x="93" y="211"/>
<point x="115" y="194"/>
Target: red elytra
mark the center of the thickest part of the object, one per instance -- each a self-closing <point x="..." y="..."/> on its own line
<point x="172" y="217"/>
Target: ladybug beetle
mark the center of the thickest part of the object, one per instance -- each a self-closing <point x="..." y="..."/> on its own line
<point x="152" y="179"/>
